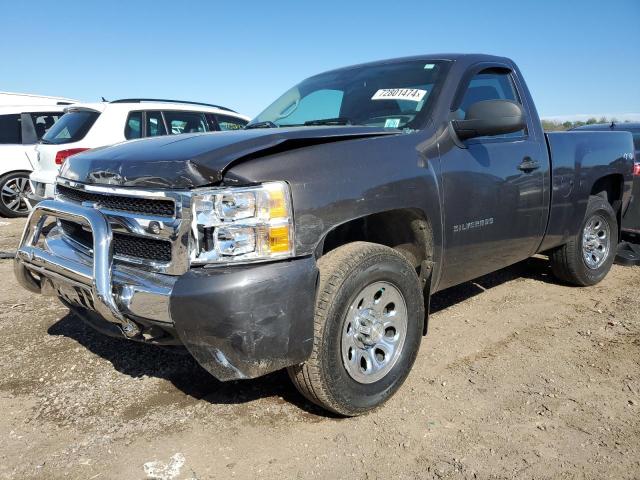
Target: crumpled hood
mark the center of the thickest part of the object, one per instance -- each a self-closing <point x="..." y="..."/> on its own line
<point x="195" y="160"/>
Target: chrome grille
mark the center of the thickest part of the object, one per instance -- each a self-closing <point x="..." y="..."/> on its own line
<point x="124" y="245"/>
<point x="144" y="248"/>
<point x="144" y="206"/>
<point x="151" y="228"/>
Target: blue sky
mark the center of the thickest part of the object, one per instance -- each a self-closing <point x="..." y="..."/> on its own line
<point x="577" y="56"/>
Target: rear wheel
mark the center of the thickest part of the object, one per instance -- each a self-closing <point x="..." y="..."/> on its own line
<point x="587" y="258"/>
<point x="14" y="188"/>
<point x="368" y="327"/>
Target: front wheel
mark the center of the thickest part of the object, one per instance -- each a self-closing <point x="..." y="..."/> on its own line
<point x="368" y="326"/>
<point x="587" y="258"/>
<point x="14" y="188"/>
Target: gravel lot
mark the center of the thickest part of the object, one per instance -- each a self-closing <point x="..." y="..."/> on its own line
<point x="519" y="377"/>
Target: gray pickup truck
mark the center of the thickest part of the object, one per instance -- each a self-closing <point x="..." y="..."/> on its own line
<point x="313" y="239"/>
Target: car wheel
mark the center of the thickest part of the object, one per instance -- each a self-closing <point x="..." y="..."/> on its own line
<point x="587" y="258"/>
<point x="368" y="326"/>
<point x="14" y="188"/>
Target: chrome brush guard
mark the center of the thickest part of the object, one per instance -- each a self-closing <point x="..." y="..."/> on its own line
<point x="89" y="281"/>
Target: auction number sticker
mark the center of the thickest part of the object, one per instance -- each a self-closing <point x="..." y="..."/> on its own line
<point x="392" y="123"/>
<point x="412" y="94"/>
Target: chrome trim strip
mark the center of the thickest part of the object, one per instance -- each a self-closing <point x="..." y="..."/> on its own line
<point x="112" y="190"/>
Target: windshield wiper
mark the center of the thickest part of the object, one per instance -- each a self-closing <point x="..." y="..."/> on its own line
<point x="265" y="124"/>
<point x="329" y="121"/>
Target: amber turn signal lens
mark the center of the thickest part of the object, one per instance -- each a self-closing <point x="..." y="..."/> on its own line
<point x="277" y="204"/>
<point x="279" y="239"/>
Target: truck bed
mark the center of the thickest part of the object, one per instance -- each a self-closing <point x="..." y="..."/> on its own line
<point x="578" y="159"/>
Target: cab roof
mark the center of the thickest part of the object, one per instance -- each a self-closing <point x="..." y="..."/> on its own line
<point x="468" y="58"/>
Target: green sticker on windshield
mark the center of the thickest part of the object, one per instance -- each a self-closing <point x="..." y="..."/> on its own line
<point x="429" y="66"/>
<point x="392" y="123"/>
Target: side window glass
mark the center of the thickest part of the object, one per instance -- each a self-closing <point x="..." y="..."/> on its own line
<point x="10" y="129"/>
<point x="42" y="122"/>
<point x="230" y="123"/>
<point x="490" y="85"/>
<point x="155" y="125"/>
<point x="636" y="141"/>
<point x="133" y="128"/>
<point x="185" y="122"/>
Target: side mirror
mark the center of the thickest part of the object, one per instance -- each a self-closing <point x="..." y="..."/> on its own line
<point x="490" y="117"/>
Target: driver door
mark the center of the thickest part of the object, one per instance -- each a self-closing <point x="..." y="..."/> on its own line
<point x="493" y="206"/>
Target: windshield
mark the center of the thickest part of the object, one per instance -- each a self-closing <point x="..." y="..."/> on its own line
<point x="395" y="95"/>
<point x="71" y="127"/>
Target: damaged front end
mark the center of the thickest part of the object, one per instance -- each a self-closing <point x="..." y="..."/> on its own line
<point x="121" y="260"/>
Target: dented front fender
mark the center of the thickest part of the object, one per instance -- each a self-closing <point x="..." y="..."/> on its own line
<point x="247" y="321"/>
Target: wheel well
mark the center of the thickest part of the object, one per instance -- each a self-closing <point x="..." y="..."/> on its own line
<point x="609" y="188"/>
<point x="405" y="230"/>
<point x="14" y="171"/>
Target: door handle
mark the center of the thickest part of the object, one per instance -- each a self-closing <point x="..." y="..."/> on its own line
<point x="528" y="165"/>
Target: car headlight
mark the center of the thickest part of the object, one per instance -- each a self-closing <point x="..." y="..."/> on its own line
<point x="242" y="224"/>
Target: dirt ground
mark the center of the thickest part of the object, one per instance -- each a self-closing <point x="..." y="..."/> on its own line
<point x="519" y="377"/>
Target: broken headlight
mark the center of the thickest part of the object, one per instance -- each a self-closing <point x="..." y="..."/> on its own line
<point x="242" y="224"/>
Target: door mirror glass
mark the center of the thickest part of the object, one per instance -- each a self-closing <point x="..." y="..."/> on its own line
<point x="490" y="118"/>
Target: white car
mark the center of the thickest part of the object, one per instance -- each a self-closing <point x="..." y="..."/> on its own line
<point x="91" y="125"/>
<point x="20" y="99"/>
<point x="21" y="127"/>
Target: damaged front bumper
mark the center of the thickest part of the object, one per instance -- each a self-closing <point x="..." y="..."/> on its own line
<point x="238" y="322"/>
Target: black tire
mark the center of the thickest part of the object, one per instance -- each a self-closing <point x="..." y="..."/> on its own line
<point x="568" y="262"/>
<point x="10" y="181"/>
<point x="344" y="273"/>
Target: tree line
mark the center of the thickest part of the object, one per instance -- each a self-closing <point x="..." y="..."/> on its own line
<point x="554" y="126"/>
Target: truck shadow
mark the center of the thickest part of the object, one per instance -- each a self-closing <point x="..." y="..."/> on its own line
<point x="534" y="268"/>
<point x="178" y="367"/>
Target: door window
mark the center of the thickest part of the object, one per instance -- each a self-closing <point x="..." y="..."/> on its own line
<point x="490" y="85"/>
<point x="155" y="124"/>
<point x="226" y="122"/>
<point x="133" y="128"/>
<point x="10" y="129"/>
<point x="185" y="122"/>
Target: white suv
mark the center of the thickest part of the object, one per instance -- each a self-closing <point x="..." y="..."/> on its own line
<point x="91" y="125"/>
<point x="21" y="127"/>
